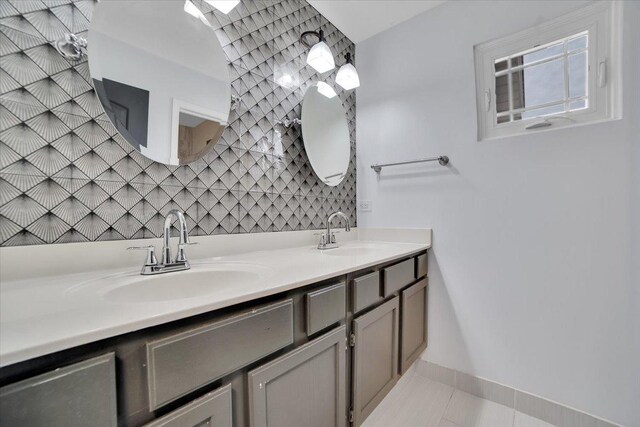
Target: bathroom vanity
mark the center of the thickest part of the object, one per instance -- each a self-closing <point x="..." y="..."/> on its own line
<point x="254" y="329"/>
<point x="318" y="340"/>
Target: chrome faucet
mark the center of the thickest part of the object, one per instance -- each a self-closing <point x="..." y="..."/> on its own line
<point x="328" y="238"/>
<point x="151" y="265"/>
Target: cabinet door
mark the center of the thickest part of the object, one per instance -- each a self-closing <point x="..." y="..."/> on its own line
<point x="375" y="358"/>
<point x="211" y="410"/>
<point x="305" y="387"/>
<point x="83" y="394"/>
<point x="413" y="324"/>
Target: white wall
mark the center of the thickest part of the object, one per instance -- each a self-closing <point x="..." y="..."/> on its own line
<point x="535" y="280"/>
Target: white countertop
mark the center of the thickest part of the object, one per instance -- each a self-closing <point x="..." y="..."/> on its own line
<point x="48" y="313"/>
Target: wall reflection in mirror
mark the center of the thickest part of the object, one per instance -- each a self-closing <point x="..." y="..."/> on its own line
<point x="543" y="81"/>
<point x="161" y="76"/>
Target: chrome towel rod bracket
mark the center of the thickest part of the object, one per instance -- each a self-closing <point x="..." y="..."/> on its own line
<point x="443" y="160"/>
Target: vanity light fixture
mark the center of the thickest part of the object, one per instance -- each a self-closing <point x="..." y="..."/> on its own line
<point x="320" y="56"/>
<point x="347" y="75"/>
<point x="224" y="6"/>
<point x="326" y="90"/>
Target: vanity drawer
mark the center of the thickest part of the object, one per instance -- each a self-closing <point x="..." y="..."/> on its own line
<point x="181" y="363"/>
<point x="421" y="265"/>
<point x="82" y="394"/>
<point x="366" y="291"/>
<point x="212" y="409"/>
<point x="398" y="276"/>
<point x="325" y="307"/>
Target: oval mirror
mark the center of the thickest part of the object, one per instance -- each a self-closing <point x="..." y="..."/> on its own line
<point x="161" y="76"/>
<point x="325" y="133"/>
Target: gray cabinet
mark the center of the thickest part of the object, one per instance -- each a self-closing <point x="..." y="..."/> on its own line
<point x="398" y="276"/>
<point x="313" y="378"/>
<point x="211" y="410"/>
<point x="305" y="387"/>
<point x="83" y="394"/>
<point x="413" y="323"/>
<point x="375" y="357"/>
<point x="181" y="363"/>
<point x="325" y="307"/>
<point x="421" y="265"/>
<point x="366" y="291"/>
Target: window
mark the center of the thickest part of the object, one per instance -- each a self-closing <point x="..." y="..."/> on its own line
<point x="562" y="73"/>
<point x="543" y="81"/>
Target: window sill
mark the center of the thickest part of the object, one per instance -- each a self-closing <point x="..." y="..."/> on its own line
<point x="554" y="127"/>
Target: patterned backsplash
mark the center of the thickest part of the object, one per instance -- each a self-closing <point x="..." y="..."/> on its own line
<point x="66" y="175"/>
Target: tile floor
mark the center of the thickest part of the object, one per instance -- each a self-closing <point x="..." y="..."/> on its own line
<point x="417" y="401"/>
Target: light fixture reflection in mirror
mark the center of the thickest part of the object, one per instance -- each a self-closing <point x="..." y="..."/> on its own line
<point x="326" y="90"/>
<point x="224" y="6"/>
<point x="193" y="10"/>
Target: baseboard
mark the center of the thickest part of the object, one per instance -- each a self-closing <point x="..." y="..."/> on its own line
<point x="547" y="410"/>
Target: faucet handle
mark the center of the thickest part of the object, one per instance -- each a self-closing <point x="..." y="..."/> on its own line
<point x="323" y="237"/>
<point x="151" y="259"/>
<point x="181" y="256"/>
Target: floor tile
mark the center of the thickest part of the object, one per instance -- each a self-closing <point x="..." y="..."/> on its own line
<point x="524" y="420"/>
<point x="471" y="411"/>
<point x="415" y="401"/>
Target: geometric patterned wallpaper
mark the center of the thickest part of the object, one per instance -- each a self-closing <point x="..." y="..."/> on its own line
<point x="66" y="175"/>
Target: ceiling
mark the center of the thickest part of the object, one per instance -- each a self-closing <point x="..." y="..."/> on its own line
<point x="361" y="19"/>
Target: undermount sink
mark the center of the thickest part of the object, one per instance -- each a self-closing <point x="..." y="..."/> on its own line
<point x="200" y="281"/>
<point x="190" y="284"/>
<point x="359" y="249"/>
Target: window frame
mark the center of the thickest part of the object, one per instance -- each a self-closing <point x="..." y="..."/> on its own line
<point x="601" y="21"/>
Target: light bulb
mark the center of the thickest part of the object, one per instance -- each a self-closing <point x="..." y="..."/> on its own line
<point x="321" y="58"/>
<point x="224" y="6"/>
<point x="348" y="77"/>
<point x="326" y="90"/>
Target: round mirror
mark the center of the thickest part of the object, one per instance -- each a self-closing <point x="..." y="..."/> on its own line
<point x="161" y="76"/>
<point x="325" y="133"/>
